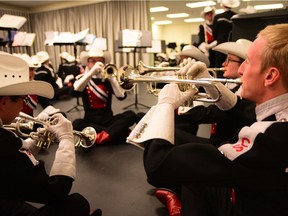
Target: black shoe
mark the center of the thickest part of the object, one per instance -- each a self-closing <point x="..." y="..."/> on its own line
<point x="97" y="212"/>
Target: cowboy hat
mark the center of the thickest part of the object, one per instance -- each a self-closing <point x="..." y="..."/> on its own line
<point x="194" y="52"/>
<point x="206" y="10"/>
<point x="64" y="55"/>
<point x="14" y="73"/>
<point x="230" y="3"/>
<point x="97" y="53"/>
<point x="31" y="61"/>
<point x="42" y="56"/>
<point x="238" y="48"/>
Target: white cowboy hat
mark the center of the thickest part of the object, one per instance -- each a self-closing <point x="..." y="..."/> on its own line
<point x="97" y="53"/>
<point x="14" y="73"/>
<point x="230" y="3"/>
<point x="238" y="48"/>
<point x="194" y="52"/>
<point x="207" y="9"/>
<point x="31" y="61"/>
<point x="42" y="56"/>
<point x="64" y="55"/>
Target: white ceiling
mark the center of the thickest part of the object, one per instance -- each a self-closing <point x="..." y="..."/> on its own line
<point x="174" y="6"/>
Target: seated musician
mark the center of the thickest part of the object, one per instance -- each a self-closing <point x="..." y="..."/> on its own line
<point x="24" y="178"/>
<point x="223" y="125"/>
<point x="46" y="73"/>
<point x="68" y="69"/>
<point x="253" y="162"/>
<point x="97" y="91"/>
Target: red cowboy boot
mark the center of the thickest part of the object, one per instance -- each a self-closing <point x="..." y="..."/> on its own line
<point x="102" y="137"/>
<point x="170" y="200"/>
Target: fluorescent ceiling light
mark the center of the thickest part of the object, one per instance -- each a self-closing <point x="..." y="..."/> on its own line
<point x="177" y="15"/>
<point x="158" y="9"/>
<point x="200" y="4"/>
<point x="268" y="6"/>
<point x="194" y="20"/>
<point x="164" y="22"/>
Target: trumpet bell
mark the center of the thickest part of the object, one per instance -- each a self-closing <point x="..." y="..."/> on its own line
<point x="122" y="77"/>
<point x="86" y="138"/>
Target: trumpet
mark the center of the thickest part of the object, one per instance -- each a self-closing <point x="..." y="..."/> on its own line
<point x="110" y="70"/>
<point x="127" y="77"/>
<point x="25" y="125"/>
<point x="144" y="69"/>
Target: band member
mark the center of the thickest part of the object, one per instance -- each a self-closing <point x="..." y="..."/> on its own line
<point x="253" y="162"/>
<point x="222" y="27"/>
<point x="97" y="91"/>
<point x="206" y="39"/>
<point x="24" y="178"/>
<point x="68" y="69"/>
<point x="46" y="73"/>
<point x="223" y="125"/>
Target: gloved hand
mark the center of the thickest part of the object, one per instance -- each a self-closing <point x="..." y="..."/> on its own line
<point x="68" y="78"/>
<point x="194" y="69"/>
<point x="64" y="162"/>
<point x="97" y="69"/>
<point x="47" y="112"/>
<point x="31" y="145"/>
<point x="171" y="94"/>
<point x="197" y="70"/>
<point x="204" y="48"/>
<point x="60" y="127"/>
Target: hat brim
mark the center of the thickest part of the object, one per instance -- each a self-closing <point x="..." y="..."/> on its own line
<point x="195" y="53"/>
<point x="39" y="88"/>
<point x="232" y="48"/>
<point x="106" y="56"/>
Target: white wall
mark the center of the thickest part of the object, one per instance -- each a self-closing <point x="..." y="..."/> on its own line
<point x="179" y="33"/>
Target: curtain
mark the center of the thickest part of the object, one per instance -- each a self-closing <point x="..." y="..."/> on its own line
<point x="103" y="19"/>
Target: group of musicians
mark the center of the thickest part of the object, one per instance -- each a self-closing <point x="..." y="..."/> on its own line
<point x="240" y="170"/>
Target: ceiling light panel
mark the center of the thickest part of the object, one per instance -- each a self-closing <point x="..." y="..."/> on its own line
<point x="177" y="15"/>
<point x="158" y="9"/>
<point x="164" y="22"/>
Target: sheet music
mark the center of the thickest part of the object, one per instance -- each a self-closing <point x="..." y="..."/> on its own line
<point x="10" y="21"/>
<point x="23" y="39"/>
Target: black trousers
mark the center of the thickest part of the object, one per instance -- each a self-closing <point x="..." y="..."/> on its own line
<point x="117" y="126"/>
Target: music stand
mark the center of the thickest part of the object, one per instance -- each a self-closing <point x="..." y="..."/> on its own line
<point x="136" y="103"/>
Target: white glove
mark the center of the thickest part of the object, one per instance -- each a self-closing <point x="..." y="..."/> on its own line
<point x="68" y="78"/>
<point x="64" y="163"/>
<point x="31" y="145"/>
<point x="97" y="69"/>
<point x="118" y="91"/>
<point x="158" y="123"/>
<point x="47" y="112"/>
<point x="204" y="48"/>
<point x="171" y="94"/>
<point x="212" y="44"/>
<point x="198" y="70"/>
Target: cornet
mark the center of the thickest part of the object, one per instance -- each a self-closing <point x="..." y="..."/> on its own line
<point x="24" y="127"/>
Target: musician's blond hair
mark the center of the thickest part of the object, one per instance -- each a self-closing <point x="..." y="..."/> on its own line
<point x="276" y="51"/>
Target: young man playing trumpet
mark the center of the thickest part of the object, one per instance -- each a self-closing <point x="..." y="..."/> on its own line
<point x="97" y="91"/>
<point x="24" y="178"/>
<point x="253" y="162"/>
